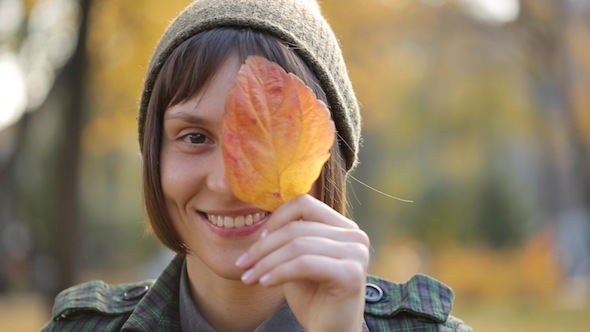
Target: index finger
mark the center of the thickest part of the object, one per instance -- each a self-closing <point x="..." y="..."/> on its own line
<point x="307" y="207"/>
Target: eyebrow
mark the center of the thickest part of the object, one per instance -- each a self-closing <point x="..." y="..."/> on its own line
<point x="190" y="118"/>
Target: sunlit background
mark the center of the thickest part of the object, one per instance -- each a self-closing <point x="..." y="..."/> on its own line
<point x="478" y="111"/>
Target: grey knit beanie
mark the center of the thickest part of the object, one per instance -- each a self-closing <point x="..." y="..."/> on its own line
<point x="296" y="22"/>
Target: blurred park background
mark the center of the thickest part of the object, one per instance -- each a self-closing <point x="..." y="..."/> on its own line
<point x="476" y="110"/>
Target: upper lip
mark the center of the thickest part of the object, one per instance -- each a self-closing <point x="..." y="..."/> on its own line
<point x="233" y="214"/>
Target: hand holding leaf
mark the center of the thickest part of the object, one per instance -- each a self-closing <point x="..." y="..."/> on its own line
<point x="276" y="135"/>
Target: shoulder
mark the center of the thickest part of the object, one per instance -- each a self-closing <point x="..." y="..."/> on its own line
<point x="95" y="306"/>
<point x="420" y="304"/>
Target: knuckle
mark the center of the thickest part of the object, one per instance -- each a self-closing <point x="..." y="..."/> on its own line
<point x="365" y="257"/>
<point x="355" y="226"/>
<point x="302" y="199"/>
<point x="362" y="237"/>
<point x="299" y="244"/>
<point x="354" y="272"/>
<point x="303" y="263"/>
<point x="358" y="235"/>
<point x="292" y="227"/>
<point x="365" y="239"/>
<point x="360" y="253"/>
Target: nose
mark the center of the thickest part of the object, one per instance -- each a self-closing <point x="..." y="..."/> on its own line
<point x="216" y="180"/>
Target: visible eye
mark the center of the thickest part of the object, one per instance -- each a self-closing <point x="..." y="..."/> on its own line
<point x="195" y="138"/>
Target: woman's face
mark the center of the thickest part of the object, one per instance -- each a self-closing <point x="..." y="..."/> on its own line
<point x="214" y="224"/>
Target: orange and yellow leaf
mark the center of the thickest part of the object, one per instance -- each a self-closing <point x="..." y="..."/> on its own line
<point x="276" y="135"/>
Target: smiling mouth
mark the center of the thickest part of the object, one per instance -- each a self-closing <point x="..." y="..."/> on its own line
<point x="236" y="221"/>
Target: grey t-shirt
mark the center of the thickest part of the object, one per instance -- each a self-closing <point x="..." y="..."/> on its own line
<point x="191" y="319"/>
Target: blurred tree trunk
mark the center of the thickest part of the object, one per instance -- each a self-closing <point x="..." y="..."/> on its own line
<point x="59" y="185"/>
<point x="567" y="196"/>
<point x="16" y="135"/>
<point x="70" y="86"/>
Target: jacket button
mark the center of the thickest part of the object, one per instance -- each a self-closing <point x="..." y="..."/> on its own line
<point x="373" y="293"/>
<point x="135" y="292"/>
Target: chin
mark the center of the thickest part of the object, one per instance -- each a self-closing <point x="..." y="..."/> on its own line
<point x="220" y="265"/>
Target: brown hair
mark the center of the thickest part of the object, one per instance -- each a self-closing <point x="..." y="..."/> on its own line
<point x="185" y="72"/>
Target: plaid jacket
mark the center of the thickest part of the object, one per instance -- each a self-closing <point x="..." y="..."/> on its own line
<point x="421" y="304"/>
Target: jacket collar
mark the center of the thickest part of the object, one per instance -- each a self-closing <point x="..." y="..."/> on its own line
<point x="158" y="310"/>
<point x="421" y="295"/>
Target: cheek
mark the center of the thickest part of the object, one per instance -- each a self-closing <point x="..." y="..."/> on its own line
<point x="178" y="177"/>
<point x="168" y="174"/>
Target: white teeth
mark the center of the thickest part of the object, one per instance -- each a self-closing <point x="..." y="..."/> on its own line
<point x="249" y="220"/>
<point x="236" y="222"/>
<point x="239" y="221"/>
<point x="228" y="222"/>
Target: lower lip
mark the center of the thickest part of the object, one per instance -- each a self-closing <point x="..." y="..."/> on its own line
<point x="236" y="232"/>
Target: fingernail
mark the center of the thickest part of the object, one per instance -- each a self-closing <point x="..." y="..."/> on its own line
<point x="247" y="275"/>
<point x="241" y="259"/>
<point x="264" y="233"/>
<point x="264" y="278"/>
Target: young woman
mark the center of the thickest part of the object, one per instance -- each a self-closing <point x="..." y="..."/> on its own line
<point x="238" y="267"/>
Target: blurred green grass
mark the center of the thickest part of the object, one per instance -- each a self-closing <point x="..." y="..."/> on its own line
<point x="497" y="317"/>
<point x="23" y="312"/>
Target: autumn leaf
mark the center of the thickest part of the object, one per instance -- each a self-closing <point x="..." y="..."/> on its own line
<point x="276" y="135"/>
